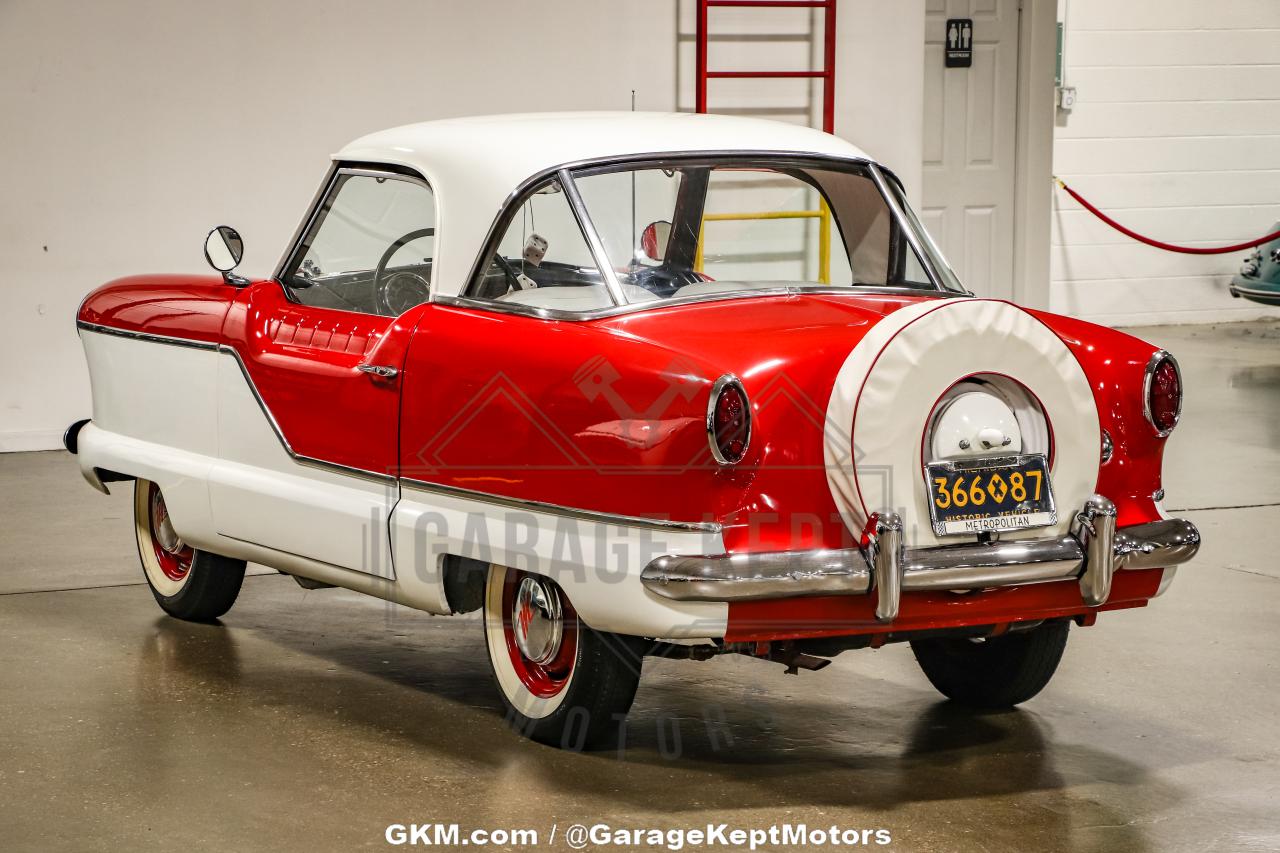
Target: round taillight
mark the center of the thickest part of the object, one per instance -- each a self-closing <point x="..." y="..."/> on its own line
<point x="728" y="420"/>
<point x="1162" y="393"/>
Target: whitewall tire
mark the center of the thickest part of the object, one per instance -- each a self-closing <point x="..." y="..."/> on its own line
<point x="187" y="583"/>
<point x="562" y="683"/>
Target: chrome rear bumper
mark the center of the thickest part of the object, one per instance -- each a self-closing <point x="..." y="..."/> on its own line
<point x="1091" y="553"/>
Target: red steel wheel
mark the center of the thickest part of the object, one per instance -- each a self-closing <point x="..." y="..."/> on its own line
<point x="174" y="555"/>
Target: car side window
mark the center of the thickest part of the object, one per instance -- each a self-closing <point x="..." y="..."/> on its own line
<point x="369" y="248"/>
<point x="543" y="259"/>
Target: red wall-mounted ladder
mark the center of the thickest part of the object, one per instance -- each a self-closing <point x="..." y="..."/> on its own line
<point x="827" y="74"/>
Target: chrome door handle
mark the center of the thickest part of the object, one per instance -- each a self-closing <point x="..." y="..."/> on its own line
<point x="380" y="370"/>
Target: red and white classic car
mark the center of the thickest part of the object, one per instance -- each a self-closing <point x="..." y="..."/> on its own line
<point x="635" y="384"/>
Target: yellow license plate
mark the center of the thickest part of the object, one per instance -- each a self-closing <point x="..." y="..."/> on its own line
<point x="1002" y="493"/>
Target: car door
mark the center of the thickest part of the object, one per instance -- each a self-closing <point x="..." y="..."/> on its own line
<point x="309" y="399"/>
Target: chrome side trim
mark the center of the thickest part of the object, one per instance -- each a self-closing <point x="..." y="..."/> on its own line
<point x="1157" y="358"/>
<point x="716" y="388"/>
<point x="262" y="404"/>
<point x="145" y="336"/>
<point x="888" y="569"/>
<point x="284" y="442"/>
<point x="556" y="509"/>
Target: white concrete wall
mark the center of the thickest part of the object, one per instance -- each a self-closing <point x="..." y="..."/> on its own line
<point x="1176" y="133"/>
<point x="131" y="127"/>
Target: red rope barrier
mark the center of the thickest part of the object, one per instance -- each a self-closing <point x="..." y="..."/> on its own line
<point x="1168" y="247"/>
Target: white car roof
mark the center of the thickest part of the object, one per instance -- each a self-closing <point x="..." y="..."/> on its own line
<point x="474" y="164"/>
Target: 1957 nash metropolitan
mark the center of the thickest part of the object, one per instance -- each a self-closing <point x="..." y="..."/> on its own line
<point x="636" y="384"/>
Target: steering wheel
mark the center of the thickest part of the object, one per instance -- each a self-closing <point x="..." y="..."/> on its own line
<point x="402" y="290"/>
<point x="508" y="271"/>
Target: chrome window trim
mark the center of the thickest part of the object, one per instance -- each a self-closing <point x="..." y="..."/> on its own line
<point x="517" y="196"/>
<point x="336" y="171"/>
<point x="913" y="239"/>
<point x="304" y="225"/>
<point x="1157" y="358"/>
<point x="226" y="349"/>
<point x="594" y="242"/>
<point x="719" y="385"/>
<point x="657" y="304"/>
<point x="557" y="509"/>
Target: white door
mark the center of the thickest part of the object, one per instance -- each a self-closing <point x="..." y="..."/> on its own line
<point x="969" y="136"/>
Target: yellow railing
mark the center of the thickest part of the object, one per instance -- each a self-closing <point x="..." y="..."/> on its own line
<point x="822" y="214"/>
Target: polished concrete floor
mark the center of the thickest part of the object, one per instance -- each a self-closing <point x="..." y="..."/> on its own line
<point x="312" y="720"/>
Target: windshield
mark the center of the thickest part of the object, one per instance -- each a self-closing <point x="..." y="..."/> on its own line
<point x="684" y="228"/>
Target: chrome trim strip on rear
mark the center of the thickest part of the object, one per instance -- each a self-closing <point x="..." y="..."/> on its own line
<point x="145" y="336"/>
<point x="556" y="509"/>
<point x="884" y="564"/>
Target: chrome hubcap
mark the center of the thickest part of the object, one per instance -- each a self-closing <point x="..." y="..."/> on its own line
<point x="166" y="536"/>
<point x="536" y="620"/>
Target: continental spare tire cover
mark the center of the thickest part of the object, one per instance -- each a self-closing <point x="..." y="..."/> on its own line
<point x="886" y="390"/>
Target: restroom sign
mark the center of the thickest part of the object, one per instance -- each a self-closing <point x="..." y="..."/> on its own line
<point x="959" y="42"/>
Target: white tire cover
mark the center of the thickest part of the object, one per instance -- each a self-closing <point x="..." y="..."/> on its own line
<point x="889" y="383"/>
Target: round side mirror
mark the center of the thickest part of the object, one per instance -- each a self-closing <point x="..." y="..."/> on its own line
<point x="653" y="241"/>
<point x="223" y="248"/>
